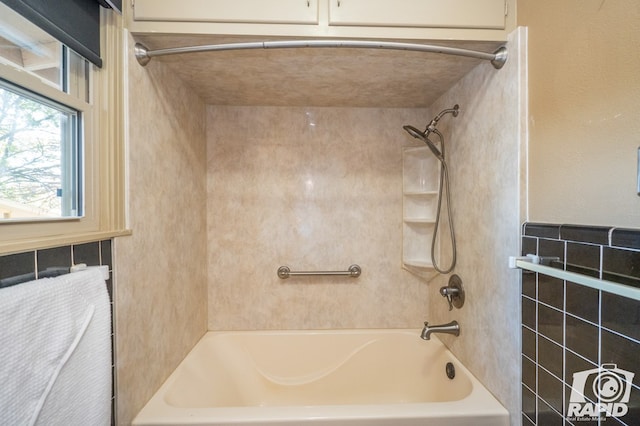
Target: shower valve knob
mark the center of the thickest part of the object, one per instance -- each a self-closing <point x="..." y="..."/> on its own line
<point x="453" y="292"/>
<point x="449" y="293"/>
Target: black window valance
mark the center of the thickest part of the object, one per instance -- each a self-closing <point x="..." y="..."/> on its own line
<point x="113" y="4"/>
<point x="76" y="23"/>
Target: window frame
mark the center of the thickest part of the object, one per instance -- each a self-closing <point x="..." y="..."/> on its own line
<point x="103" y="152"/>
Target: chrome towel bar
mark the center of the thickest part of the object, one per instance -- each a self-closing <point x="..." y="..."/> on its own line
<point x="535" y="263"/>
<point x="285" y="272"/>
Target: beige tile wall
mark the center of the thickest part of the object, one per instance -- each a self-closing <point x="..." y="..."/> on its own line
<point x="485" y="144"/>
<point x="160" y="269"/>
<point x="314" y="189"/>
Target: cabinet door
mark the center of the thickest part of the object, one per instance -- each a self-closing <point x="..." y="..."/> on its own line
<point x="487" y="14"/>
<point x="250" y="11"/>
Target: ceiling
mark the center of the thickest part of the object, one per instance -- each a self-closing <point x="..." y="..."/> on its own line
<point x="315" y="76"/>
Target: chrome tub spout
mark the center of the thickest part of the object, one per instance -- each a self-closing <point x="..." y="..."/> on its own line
<point x="450" y="328"/>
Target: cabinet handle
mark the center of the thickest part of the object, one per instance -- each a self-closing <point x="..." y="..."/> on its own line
<point x="338" y="3"/>
<point x="308" y="3"/>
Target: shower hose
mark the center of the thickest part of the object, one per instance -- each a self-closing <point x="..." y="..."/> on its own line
<point x="444" y="184"/>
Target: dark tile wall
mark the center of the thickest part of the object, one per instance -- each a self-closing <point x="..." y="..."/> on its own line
<point x="568" y="328"/>
<point x="27" y="266"/>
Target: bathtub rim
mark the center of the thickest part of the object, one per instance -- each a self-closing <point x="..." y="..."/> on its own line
<point x="485" y="406"/>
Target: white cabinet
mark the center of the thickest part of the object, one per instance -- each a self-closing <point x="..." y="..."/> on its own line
<point x="421" y="178"/>
<point x="240" y="11"/>
<point x="481" y="14"/>
<point x="389" y="19"/>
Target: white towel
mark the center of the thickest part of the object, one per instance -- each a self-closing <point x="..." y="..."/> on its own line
<point x="55" y="352"/>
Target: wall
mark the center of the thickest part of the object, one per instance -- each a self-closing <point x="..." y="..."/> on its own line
<point x="584" y="85"/>
<point x="568" y="328"/>
<point x="584" y="91"/>
<point x="160" y="269"/>
<point x="484" y="145"/>
<point x="314" y="189"/>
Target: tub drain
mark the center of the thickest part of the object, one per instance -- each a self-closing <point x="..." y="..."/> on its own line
<point x="450" y="370"/>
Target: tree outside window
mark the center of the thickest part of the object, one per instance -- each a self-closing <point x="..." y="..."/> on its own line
<point x="39" y="158"/>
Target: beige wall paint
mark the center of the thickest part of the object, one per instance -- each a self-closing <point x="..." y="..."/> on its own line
<point x="160" y="269"/>
<point x="584" y="85"/>
<point x="314" y="189"/>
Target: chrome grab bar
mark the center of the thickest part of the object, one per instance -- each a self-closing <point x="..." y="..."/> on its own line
<point x="285" y="272"/>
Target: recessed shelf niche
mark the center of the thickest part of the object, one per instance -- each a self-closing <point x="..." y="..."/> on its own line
<point x="421" y="179"/>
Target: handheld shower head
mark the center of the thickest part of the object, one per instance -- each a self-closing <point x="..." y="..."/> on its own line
<point x="415" y="132"/>
<point x="424" y="137"/>
<point x="431" y="128"/>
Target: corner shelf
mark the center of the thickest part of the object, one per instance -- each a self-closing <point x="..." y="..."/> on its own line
<point x="421" y="179"/>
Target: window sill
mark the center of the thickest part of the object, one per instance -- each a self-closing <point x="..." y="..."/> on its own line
<point x="59" y="240"/>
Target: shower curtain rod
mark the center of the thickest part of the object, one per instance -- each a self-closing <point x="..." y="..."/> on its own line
<point x="497" y="59"/>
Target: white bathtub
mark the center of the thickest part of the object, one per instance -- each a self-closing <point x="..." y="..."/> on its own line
<point x="334" y="377"/>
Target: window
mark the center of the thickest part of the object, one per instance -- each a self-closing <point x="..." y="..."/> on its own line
<point x="41" y="139"/>
<point x="61" y="137"/>
<point x="40" y="165"/>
